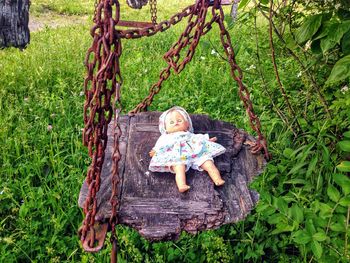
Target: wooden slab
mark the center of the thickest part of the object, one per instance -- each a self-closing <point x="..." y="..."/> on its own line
<point x="151" y="203"/>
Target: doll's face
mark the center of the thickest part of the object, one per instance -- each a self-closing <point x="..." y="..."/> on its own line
<point x="174" y="122"/>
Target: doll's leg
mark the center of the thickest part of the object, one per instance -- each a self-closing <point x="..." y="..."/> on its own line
<point x="180" y="177"/>
<point x="213" y="172"/>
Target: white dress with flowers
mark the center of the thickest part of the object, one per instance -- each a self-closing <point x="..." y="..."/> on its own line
<point x="183" y="148"/>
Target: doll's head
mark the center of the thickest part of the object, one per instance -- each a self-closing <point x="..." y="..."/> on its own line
<point x="174" y="120"/>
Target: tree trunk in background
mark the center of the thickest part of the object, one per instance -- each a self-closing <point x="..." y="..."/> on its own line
<point x="14" y="18"/>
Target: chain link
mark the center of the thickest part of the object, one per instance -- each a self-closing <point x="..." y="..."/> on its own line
<point x="173" y="55"/>
<point x="161" y="27"/>
<point x="237" y="75"/>
<point x="153" y="10"/>
<point x="101" y="84"/>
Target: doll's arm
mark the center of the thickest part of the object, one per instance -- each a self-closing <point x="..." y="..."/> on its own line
<point x="152" y="153"/>
<point x="206" y="137"/>
<point x="160" y="142"/>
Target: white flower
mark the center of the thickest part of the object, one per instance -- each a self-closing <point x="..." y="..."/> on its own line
<point x="213" y="52"/>
<point x="49" y="127"/>
<point x="336" y="6"/>
<point x="81" y="93"/>
<point x="26" y="99"/>
<point x="251" y="67"/>
<point x="299" y="74"/>
<point x="307" y="45"/>
<point x="344" y="89"/>
<point x="202" y="58"/>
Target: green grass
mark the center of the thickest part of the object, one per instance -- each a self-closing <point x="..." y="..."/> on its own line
<point x="43" y="162"/>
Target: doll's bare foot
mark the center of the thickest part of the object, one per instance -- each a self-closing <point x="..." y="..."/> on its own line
<point x="183" y="188"/>
<point x="213" y="172"/>
<point x="219" y="182"/>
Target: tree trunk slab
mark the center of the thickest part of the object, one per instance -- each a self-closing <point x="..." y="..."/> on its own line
<point x="151" y="203"/>
<point x="14" y="19"/>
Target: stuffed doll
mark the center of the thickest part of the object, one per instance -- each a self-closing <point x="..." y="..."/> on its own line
<point x="179" y="149"/>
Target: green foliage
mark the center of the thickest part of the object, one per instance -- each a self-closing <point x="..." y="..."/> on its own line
<point x="303" y="212"/>
<point x="340" y="71"/>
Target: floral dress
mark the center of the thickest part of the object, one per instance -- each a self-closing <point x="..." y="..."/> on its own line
<point x="183" y="148"/>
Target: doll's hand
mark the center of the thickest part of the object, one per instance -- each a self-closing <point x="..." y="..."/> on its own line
<point x="152" y="153"/>
<point x="214" y="139"/>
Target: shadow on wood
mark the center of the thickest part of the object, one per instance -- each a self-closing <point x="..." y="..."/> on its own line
<point x="14" y="19"/>
<point x="151" y="203"/>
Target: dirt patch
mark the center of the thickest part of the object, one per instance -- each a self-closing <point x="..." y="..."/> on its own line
<point x="53" y="20"/>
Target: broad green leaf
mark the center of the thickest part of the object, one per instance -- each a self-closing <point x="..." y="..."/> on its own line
<point x="347" y="134"/>
<point x="316" y="249"/>
<point x="297" y="213"/>
<point x="327" y="43"/>
<point x="345" y="201"/>
<point x="345" y="44"/>
<point x="261" y="207"/>
<point x="344" y="145"/>
<point x="23" y="210"/>
<point x="319" y="236"/>
<point x="264" y="2"/>
<point x="312" y="165"/>
<point x="325" y="210"/>
<point x="282" y="227"/>
<point x="243" y="4"/>
<point x="333" y="193"/>
<point x="276" y="218"/>
<point x="282" y="205"/>
<point x="309" y="226"/>
<point x="338" y="227"/>
<point x="343" y="181"/>
<point x="308" y="28"/>
<point x="302" y="237"/>
<point x="335" y="32"/>
<point x="340" y="71"/>
<point x="344" y="166"/>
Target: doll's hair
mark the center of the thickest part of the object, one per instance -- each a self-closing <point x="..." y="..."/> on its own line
<point x="178" y="109"/>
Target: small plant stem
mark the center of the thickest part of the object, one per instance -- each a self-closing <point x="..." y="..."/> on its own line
<point x="346" y="234"/>
<point x="304" y="69"/>
<point x="278" y="111"/>
<point x="273" y="58"/>
<point x="330" y="219"/>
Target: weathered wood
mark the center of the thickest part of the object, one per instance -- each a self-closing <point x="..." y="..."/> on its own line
<point x="14" y="18"/>
<point x="151" y="203"/>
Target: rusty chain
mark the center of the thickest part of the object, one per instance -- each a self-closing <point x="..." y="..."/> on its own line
<point x="237" y="75"/>
<point x="155" y="88"/>
<point x="153" y="10"/>
<point x="101" y="84"/>
<point x="160" y="27"/>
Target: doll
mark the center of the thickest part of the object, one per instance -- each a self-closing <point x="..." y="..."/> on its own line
<point x="178" y="149"/>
